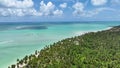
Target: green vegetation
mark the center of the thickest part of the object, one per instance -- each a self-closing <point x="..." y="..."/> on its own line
<point x="91" y="50"/>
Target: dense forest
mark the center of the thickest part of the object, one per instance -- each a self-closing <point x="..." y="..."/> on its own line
<point x="92" y="50"/>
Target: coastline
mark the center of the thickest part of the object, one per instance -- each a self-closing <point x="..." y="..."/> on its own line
<point x="78" y="33"/>
<point x="81" y="33"/>
<point x="22" y="38"/>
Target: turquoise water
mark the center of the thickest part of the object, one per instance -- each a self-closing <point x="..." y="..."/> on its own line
<point x="18" y="43"/>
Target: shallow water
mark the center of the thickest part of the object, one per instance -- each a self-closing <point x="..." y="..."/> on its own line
<point x="18" y="43"/>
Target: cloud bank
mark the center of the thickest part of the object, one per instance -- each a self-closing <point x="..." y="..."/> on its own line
<point x="25" y="8"/>
<point x="98" y="2"/>
<point x="50" y="8"/>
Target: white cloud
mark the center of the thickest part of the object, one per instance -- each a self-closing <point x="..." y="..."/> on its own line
<point x="49" y="9"/>
<point x="17" y="12"/>
<point x="58" y="12"/>
<point x="63" y="5"/>
<point x="25" y="8"/>
<point x="80" y="11"/>
<point x="16" y="7"/>
<point x="17" y="3"/>
<point x="3" y="12"/>
<point x="46" y="9"/>
<point x="98" y="2"/>
<point x="115" y="2"/>
<point x="79" y="8"/>
<point x="95" y="11"/>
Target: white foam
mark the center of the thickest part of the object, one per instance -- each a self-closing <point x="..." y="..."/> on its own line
<point x="4" y="42"/>
<point x="108" y="28"/>
<point x="19" y="27"/>
<point x="83" y="32"/>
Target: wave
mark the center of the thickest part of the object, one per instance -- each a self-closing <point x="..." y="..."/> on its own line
<point x="81" y="32"/>
<point x="84" y="32"/>
<point x="4" y="42"/>
<point x="108" y="28"/>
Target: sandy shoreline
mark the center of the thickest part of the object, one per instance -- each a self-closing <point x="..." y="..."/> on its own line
<point x="84" y="32"/>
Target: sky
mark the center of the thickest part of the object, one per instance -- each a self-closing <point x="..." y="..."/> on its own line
<point x="59" y="10"/>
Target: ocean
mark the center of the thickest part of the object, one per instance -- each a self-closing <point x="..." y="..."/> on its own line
<point x="20" y="39"/>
